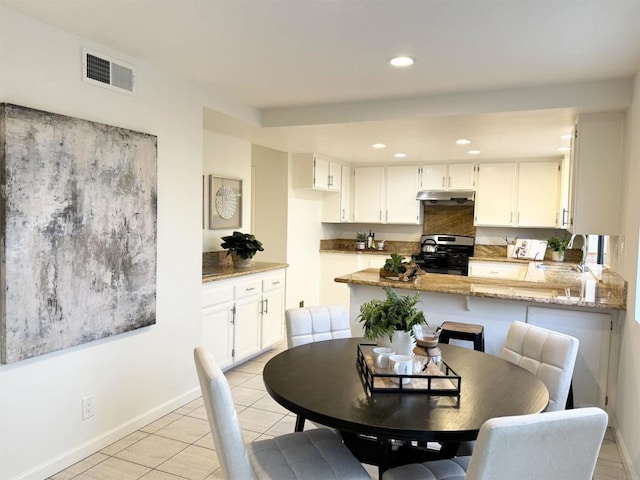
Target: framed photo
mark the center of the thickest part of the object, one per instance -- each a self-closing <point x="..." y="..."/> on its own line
<point x="225" y="203"/>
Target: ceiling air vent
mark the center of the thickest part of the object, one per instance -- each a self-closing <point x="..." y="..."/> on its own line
<point x="101" y="70"/>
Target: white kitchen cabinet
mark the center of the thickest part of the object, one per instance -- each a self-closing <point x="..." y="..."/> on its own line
<point x="593" y="331"/>
<point x="434" y="177"/>
<point x="402" y="185"/>
<point x="538" y="194"/>
<point x="368" y="194"/>
<point x="313" y="170"/>
<point x="496" y="194"/>
<point x="454" y="176"/>
<point x="336" y="206"/>
<point x="524" y="194"/>
<point x="596" y="174"/>
<point x="565" y="193"/>
<point x="243" y="316"/>
<point x="502" y="270"/>
<point x="247" y="326"/>
<point x="272" y="310"/>
<point x="217" y="322"/>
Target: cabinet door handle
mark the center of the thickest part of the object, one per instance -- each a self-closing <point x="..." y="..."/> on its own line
<point x="449" y="182"/>
<point x="249" y="289"/>
<point x="510" y="217"/>
<point x="443" y="181"/>
<point x="277" y="282"/>
<point x="266" y="306"/>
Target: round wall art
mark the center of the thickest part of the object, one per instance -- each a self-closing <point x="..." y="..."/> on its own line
<point x="225" y="202"/>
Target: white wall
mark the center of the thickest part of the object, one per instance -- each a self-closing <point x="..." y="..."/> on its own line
<point x="270" y="201"/>
<point x="626" y="262"/>
<point x="304" y="232"/>
<point x="136" y="376"/>
<point x="230" y="157"/>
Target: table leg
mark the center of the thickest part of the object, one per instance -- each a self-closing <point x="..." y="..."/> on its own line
<point x="299" y="423"/>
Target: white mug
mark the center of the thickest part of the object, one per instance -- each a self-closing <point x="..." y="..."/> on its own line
<point x="381" y="356"/>
<point x="401" y="365"/>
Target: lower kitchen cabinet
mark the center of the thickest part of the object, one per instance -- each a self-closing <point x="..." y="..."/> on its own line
<point x="243" y="316"/>
<point x="503" y="270"/>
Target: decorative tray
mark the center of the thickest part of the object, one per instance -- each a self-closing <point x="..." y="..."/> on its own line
<point x="436" y="380"/>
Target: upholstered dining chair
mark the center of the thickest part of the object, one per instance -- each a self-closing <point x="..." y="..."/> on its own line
<point x="311" y="455"/>
<point x="311" y="324"/>
<point x="552" y="445"/>
<point x="550" y="356"/>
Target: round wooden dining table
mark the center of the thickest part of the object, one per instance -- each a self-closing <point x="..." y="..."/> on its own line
<point x="321" y="382"/>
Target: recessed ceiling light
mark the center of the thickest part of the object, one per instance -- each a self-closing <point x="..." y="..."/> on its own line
<point x="463" y="141"/>
<point x="563" y="149"/>
<point x="474" y="152"/>
<point x="566" y="136"/>
<point x="401" y="61"/>
<point x="378" y="145"/>
<point x="400" y="155"/>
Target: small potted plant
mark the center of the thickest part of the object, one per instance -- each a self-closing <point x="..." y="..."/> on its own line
<point x="361" y="240"/>
<point x="391" y="321"/>
<point x="242" y="247"/>
<point x="558" y="246"/>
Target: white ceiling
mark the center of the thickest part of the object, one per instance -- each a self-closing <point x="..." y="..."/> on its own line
<point x="298" y="55"/>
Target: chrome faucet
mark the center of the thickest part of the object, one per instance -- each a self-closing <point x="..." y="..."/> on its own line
<point x="583" y="266"/>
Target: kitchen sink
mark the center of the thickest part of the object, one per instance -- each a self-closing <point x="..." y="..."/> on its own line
<point x="559" y="268"/>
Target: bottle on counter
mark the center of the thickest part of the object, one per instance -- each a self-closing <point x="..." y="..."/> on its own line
<point x="370" y="238"/>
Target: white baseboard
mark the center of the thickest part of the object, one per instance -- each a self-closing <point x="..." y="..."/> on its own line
<point x="74" y="455"/>
<point x="624" y="455"/>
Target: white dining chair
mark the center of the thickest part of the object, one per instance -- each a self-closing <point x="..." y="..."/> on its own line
<point x="312" y="324"/>
<point x="311" y="455"/>
<point x="550" y="356"/>
<point x="552" y="445"/>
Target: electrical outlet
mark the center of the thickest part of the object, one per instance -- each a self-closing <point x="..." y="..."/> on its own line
<point x="88" y="406"/>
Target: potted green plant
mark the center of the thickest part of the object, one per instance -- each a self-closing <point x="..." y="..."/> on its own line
<point x="242" y="247"/>
<point x="361" y="240"/>
<point x="391" y="321"/>
<point x="558" y="246"/>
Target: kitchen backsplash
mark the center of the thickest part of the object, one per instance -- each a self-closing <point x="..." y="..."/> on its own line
<point x="452" y="219"/>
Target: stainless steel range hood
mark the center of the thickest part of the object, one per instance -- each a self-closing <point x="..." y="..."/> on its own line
<point x="449" y="197"/>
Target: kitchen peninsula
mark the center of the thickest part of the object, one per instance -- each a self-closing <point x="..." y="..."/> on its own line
<point x="586" y="305"/>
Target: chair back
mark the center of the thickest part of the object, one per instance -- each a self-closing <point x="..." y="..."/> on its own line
<point x="312" y="324"/>
<point x="549" y="355"/>
<point x="223" y="418"/>
<point x="562" y="444"/>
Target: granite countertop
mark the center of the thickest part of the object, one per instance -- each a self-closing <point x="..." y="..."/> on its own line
<point x="599" y="287"/>
<point x="223" y="272"/>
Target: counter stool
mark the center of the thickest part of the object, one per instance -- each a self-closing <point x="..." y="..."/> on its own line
<point x="463" y="331"/>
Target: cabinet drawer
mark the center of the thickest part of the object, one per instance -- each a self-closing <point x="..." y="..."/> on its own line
<point x="248" y="288"/>
<point x="216" y="295"/>
<point x="510" y="271"/>
<point x="273" y="282"/>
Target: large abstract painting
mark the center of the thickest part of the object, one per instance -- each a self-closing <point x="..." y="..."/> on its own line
<point x="78" y="231"/>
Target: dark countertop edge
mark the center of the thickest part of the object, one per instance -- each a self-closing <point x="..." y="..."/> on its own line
<point x="465" y="289"/>
<point x="213" y="274"/>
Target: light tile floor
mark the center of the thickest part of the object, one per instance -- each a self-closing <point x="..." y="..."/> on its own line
<point x="179" y="445"/>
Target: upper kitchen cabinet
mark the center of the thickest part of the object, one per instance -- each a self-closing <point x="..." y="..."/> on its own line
<point x="312" y="170"/>
<point x="596" y="174"/>
<point x="496" y="194"/>
<point x="455" y="176"/>
<point x="336" y="206"/>
<point x="368" y="194"/>
<point x="402" y="187"/>
<point x="538" y="194"/>
<point x="386" y="194"/>
<point x="524" y="194"/>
